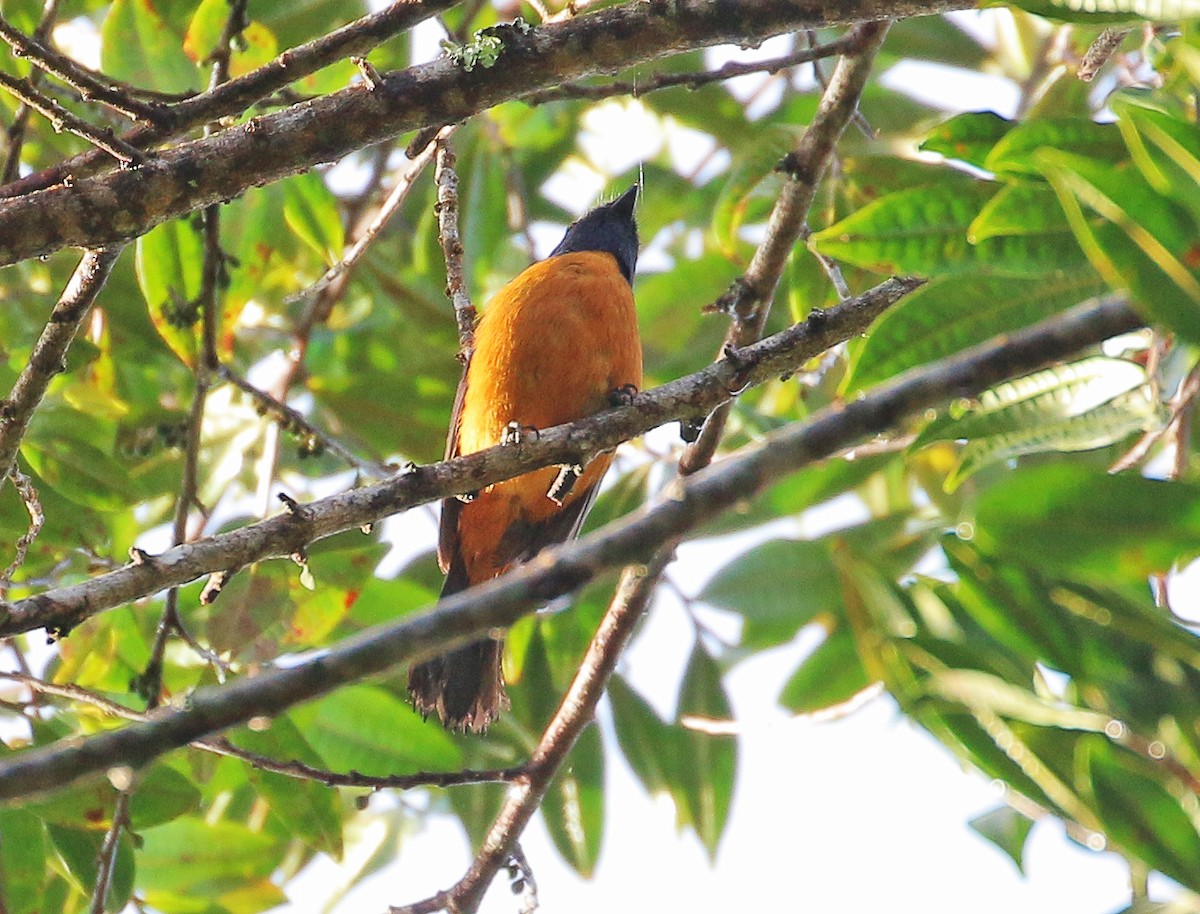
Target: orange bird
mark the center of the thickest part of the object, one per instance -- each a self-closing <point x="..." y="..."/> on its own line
<point x="558" y="343"/>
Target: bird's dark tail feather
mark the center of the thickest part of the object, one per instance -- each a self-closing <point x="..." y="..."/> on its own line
<point x="464" y="688"/>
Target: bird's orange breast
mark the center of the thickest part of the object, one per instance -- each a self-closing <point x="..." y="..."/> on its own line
<point x="549" y="349"/>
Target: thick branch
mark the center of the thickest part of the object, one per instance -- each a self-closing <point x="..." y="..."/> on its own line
<point x="691" y="397"/>
<point x="122" y="205"/>
<point x="47" y="358"/>
<point x="501" y="602"/>
<point x="232" y="98"/>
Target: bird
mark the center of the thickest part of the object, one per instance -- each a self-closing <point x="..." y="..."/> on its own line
<point x="557" y="343"/>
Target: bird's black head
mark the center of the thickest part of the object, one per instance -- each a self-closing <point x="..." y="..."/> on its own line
<point x="611" y="228"/>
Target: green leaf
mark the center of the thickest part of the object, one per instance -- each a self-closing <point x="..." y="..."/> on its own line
<point x="777" y="588"/>
<point x="190" y="856"/>
<point x="1019" y="209"/>
<point x="1014" y="155"/>
<point x="22" y="861"/>
<point x="646" y="740"/>
<point x="205" y="30"/>
<point x="991" y="695"/>
<point x="573" y="809"/>
<point x="306" y="808"/>
<point x="169" y="260"/>
<point x="1074" y="407"/>
<point x="923" y="231"/>
<point x="162" y="794"/>
<point x="483" y="204"/>
<point x="80" y="472"/>
<point x="1105" y="11"/>
<point x="364" y="728"/>
<point x="138" y="46"/>
<point x="937" y="39"/>
<point x="744" y="186"/>
<point x="1014" y="609"/>
<point x="1147" y="243"/>
<point x="1165" y="148"/>
<point x="1141" y="815"/>
<point x="708" y="762"/>
<point x="310" y="210"/>
<point x="80" y="851"/>
<point x="1078" y="520"/>
<point x="967" y="137"/>
<point x="535" y="697"/>
<point x="953" y="313"/>
<point x="831" y="675"/>
<point x="1007" y="829"/>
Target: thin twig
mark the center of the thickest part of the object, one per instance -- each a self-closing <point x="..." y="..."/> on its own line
<point x="222" y="54"/>
<point x="107" y="860"/>
<point x="292" y="769"/>
<point x="301" y="771"/>
<point x="1100" y="51"/>
<point x="89" y="86"/>
<point x="748" y="300"/>
<point x="315" y="440"/>
<point x="61" y="119"/>
<point x="16" y="132"/>
<point x="37" y="517"/>
<point x="1180" y="404"/>
<point x="452" y="249"/>
<point x="858" y="119"/>
<point x="831" y="268"/>
<point x="150" y="681"/>
<point x="50" y="351"/>
<point x="395" y="199"/>
<point x="204" y="372"/>
<point x="666" y="80"/>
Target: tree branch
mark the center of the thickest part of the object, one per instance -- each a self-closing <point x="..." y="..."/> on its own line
<point x="292" y="769"/>
<point x="16" y="132"/>
<point x="232" y="98"/>
<point x="578" y="708"/>
<point x="452" y="248"/>
<point x="125" y="204"/>
<point x="501" y="602"/>
<point x="729" y="70"/>
<point x="62" y="119"/>
<point x="89" y="85"/>
<point x="748" y="300"/>
<point x="51" y="348"/>
<point x="690" y="397"/>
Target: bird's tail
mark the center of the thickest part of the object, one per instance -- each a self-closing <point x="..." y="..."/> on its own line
<point x="465" y="688"/>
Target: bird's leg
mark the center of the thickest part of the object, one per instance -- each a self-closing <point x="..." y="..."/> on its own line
<point x="623" y="395"/>
<point x="568" y="475"/>
<point x="515" y="432"/>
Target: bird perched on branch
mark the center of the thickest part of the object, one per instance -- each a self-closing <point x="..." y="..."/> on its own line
<point x="557" y="343"/>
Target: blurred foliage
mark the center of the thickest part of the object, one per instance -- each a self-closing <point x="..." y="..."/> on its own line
<point x="999" y="588"/>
